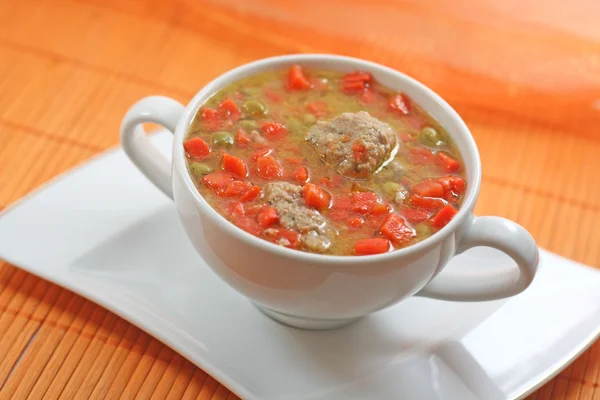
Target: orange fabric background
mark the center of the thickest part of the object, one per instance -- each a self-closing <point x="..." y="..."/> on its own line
<point x="525" y="75"/>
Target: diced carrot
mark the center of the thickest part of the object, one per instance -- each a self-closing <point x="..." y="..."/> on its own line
<point x="317" y="108"/>
<point x="443" y="216"/>
<point x="414" y="216"/>
<point x="301" y="175"/>
<point x="291" y="236"/>
<point x="237" y="209"/>
<point x="217" y="180"/>
<point x="429" y="188"/>
<point x="356" y="222"/>
<point x="359" y="149"/>
<point x="267" y="167"/>
<point x="229" y="110"/>
<point x="296" y="79"/>
<point x="260" y="153"/>
<point x="400" y="104"/>
<point x="196" y="148"/>
<point x="447" y="162"/>
<point x="395" y="229"/>
<point x="234" y="189"/>
<point x="426" y="202"/>
<point x="267" y="217"/>
<point x="363" y="202"/>
<point x="361" y="76"/>
<point x="249" y="225"/>
<point x="420" y="155"/>
<point x="235" y="165"/>
<point x="250" y="194"/>
<point x="316" y="197"/>
<point x="364" y="247"/>
<point x="272" y="95"/>
<point x="274" y="130"/>
<point x="242" y="138"/>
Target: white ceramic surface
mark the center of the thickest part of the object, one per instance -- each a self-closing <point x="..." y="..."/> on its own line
<point x="318" y="291"/>
<point x="106" y="233"/>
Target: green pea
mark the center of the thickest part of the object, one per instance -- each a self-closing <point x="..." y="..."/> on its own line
<point x="423" y="230"/>
<point x="431" y="137"/>
<point x="390" y="188"/>
<point x="248" y="124"/>
<point x="254" y="108"/>
<point x="199" y="169"/>
<point x="222" y="139"/>
<point x="309" y="119"/>
<point x="295" y="127"/>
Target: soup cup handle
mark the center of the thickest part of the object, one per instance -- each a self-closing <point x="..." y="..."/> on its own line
<point x="499" y="233"/>
<point x="139" y="148"/>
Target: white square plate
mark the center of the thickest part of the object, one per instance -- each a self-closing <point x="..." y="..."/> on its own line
<point x="106" y="233"/>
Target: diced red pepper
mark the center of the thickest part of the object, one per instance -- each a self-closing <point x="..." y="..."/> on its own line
<point x="426" y="203"/>
<point x="237" y="209"/>
<point x="447" y="162"/>
<point x="234" y="189"/>
<point x="274" y="130"/>
<point x="301" y="175"/>
<point x="229" y="110"/>
<point x="368" y="97"/>
<point x="380" y="209"/>
<point x="196" y="148"/>
<point x="414" y="216"/>
<point x="316" y="197"/>
<point x="235" y="165"/>
<point x="453" y="183"/>
<point x="443" y="216"/>
<point x="296" y="79"/>
<point x="267" y="167"/>
<point x="396" y="230"/>
<point x="429" y="188"/>
<point x="364" y="202"/>
<point x="249" y="225"/>
<point x="317" y="108"/>
<point x="250" y="194"/>
<point x="260" y="153"/>
<point x="209" y="114"/>
<point x="420" y="155"/>
<point x="267" y="217"/>
<point x="356" y="82"/>
<point x="364" y="247"/>
<point x="291" y="236"/>
<point x="400" y="104"/>
<point x="217" y="180"/>
<point x="242" y="138"/>
<point x="356" y="222"/>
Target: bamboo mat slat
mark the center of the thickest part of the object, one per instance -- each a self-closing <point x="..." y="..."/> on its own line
<point x="525" y="76"/>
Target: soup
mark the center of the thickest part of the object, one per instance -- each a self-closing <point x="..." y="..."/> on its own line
<point x="324" y="162"/>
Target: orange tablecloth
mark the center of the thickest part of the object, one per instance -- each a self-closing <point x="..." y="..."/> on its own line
<point x="525" y="75"/>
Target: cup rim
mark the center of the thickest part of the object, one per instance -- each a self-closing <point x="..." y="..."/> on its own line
<point x="237" y="73"/>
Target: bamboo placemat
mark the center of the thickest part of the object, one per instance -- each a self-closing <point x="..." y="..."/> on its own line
<point x="524" y="75"/>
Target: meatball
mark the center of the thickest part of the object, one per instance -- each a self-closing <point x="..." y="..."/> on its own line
<point x="355" y="144"/>
<point x="287" y="199"/>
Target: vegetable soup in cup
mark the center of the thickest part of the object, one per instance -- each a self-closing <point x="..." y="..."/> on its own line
<point x="325" y="162"/>
<point x="324" y="188"/>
